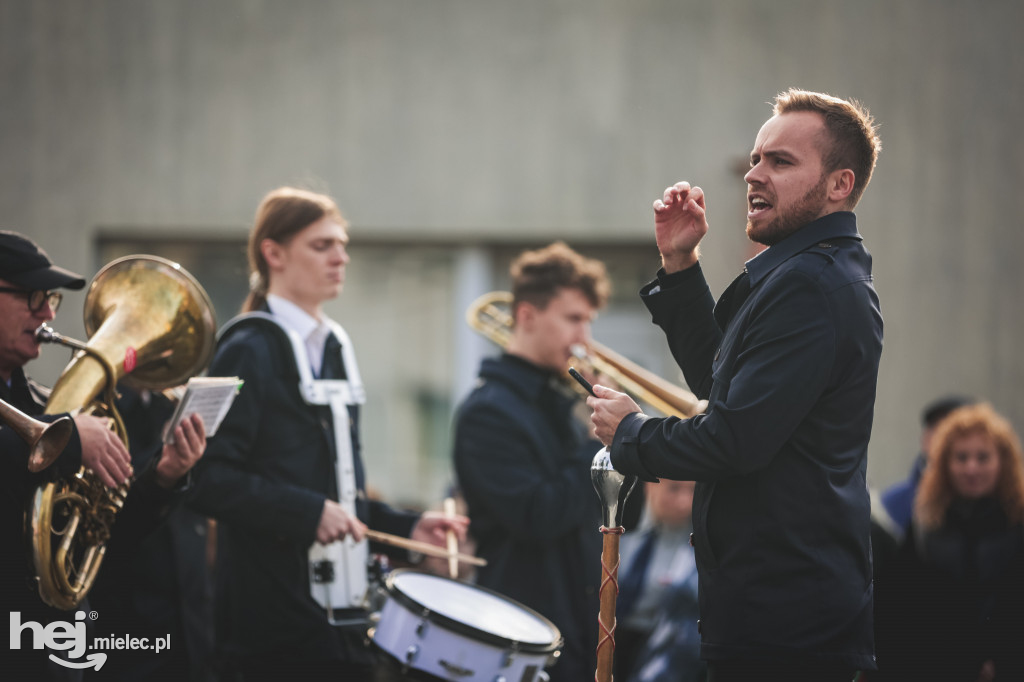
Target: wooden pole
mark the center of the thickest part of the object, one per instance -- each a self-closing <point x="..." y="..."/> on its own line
<point x="608" y="594"/>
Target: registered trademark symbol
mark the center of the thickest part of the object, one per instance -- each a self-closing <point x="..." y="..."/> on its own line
<point x="93" y="615"/>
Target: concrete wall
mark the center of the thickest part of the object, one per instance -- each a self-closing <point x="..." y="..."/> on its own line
<point x="487" y="122"/>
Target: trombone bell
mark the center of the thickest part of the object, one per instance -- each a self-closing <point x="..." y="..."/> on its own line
<point x="489" y="315"/>
<point x="46" y="441"/>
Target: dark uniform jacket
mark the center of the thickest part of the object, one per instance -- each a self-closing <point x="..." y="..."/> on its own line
<point x="781" y="510"/>
<point x="523" y="464"/>
<point x="160" y="586"/>
<point x="146" y="506"/>
<point x="264" y="478"/>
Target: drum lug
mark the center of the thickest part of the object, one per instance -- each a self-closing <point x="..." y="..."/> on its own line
<point x="421" y="628"/>
<point x="510" y="655"/>
<point x="411" y="654"/>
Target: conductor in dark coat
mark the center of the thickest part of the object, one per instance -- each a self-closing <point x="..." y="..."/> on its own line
<point x="788" y="359"/>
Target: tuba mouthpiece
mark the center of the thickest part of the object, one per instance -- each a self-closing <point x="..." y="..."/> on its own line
<point x="45" y="334"/>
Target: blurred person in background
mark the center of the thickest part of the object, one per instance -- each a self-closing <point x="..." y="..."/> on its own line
<point x="161" y="586"/>
<point x="898" y="498"/>
<point x="893" y="507"/>
<point x="656" y="637"/>
<point x="952" y="605"/>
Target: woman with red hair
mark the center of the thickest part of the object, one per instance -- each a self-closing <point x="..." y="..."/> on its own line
<point x="954" y="604"/>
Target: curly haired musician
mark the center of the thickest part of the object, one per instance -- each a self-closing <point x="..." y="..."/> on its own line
<point x="523" y="460"/>
<point x="284" y="476"/>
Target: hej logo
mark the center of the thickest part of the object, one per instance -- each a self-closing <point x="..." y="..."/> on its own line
<point x="59" y="636"/>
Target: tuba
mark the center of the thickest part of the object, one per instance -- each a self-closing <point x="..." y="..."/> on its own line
<point x="490" y="316"/>
<point x="152" y="324"/>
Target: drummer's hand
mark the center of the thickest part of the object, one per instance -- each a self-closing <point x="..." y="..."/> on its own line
<point x="336" y="524"/>
<point x="433" y="527"/>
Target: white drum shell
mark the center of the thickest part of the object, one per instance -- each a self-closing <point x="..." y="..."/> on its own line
<point x="419" y="641"/>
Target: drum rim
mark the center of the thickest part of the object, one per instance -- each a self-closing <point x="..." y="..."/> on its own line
<point x="462" y="628"/>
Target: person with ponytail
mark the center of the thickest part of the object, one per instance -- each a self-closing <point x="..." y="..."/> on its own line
<point x="281" y="478"/>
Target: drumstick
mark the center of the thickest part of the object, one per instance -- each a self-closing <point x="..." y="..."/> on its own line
<point x="453" y="541"/>
<point x="421" y="547"/>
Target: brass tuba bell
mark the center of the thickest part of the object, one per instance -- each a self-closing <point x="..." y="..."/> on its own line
<point x="152" y="324"/>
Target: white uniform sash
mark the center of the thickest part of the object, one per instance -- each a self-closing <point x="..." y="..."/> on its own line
<point x="337" y="571"/>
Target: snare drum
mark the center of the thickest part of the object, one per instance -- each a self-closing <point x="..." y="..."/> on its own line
<point x="457" y="631"/>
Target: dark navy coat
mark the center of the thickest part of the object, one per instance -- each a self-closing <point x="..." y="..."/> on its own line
<point x="145" y="508"/>
<point x="781" y="511"/>
<point x="264" y="478"/>
<point x="523" y="463"/>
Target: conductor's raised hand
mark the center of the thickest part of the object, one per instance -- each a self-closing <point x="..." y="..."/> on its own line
<point x="680" y="223"/>
<point x="609" y="409"/>
<point x="337" y="524"/>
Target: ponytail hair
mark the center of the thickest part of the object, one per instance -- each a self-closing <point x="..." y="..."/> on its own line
<point x="283" y="213"/>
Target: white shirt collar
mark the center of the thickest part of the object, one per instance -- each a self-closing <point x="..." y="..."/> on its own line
<point x="292" y="315"/>
<point x="313" y="331"/>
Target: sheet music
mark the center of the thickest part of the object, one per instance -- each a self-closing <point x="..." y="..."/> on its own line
<point x="210" y="398"/>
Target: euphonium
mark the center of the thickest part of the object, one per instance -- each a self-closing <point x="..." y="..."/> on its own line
<point x="152" y="324"/>
<point x="490" y="316"/>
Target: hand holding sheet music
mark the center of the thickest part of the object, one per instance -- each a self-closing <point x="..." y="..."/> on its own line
<point x="210" y="398"/>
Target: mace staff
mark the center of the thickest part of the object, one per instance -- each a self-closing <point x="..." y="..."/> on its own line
<point x="612" y="488"/>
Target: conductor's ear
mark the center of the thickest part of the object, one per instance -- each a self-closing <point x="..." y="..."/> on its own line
<point x="840" y="185"/>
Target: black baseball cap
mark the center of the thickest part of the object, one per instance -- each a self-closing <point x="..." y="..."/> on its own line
<point x="24" y="264"/>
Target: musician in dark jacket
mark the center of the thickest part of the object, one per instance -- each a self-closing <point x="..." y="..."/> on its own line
<point x="158" y="586"/>
<point x="523" y="459"/>
<point x="279" y="478"/>
<point x="788" y="359"/>
<point x="29" y="297"/>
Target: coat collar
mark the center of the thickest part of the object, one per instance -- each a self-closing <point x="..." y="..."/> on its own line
<point x="527" y="378"/>
<point x="838" y="225"/>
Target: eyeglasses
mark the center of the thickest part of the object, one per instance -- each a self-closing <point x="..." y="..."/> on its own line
<point x="38" y="298"/>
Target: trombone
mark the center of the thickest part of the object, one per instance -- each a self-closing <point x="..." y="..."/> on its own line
<point x="490" y="316"/>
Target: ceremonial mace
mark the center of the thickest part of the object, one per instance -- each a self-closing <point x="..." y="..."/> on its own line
<point x="613" y="488"/>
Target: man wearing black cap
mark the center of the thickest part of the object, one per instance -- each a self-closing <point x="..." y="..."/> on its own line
<point x="29" y="296"/>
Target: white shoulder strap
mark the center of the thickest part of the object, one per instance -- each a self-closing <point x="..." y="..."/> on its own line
<point x="337" y="571"/>
<point x="315" y="391"/>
